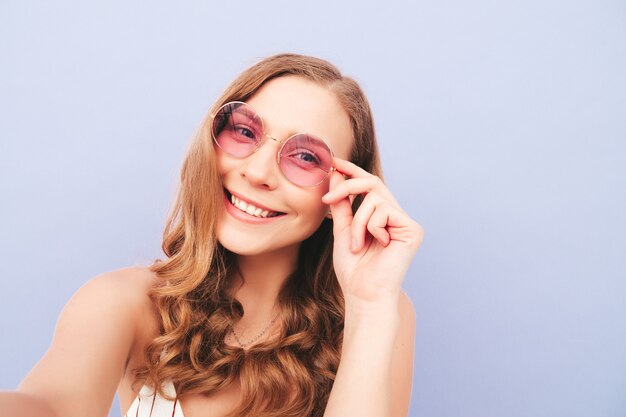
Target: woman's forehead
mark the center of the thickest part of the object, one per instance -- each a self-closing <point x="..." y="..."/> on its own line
<point x="293" y="104"/>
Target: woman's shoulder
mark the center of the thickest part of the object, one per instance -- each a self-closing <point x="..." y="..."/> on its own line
<point x="125" y="285"/>
<point x="131" y="277"/>
<point x="126" y="290"/>
<point x="131" y="286"/>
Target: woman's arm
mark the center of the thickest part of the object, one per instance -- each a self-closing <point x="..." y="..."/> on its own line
<point x="81" y="370"/>
<point x="376" y="368"/>
<point x="372" y="252"/>
<point x="13" y="403"/>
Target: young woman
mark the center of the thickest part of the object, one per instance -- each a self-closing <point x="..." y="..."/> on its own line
<point x="280" y="293"/>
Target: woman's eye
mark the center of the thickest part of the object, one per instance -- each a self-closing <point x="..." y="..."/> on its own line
<point x="244" y="131"/>
<point x="308" y="158"/>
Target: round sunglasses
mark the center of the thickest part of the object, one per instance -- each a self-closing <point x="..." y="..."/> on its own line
<point x="304" y="159"/>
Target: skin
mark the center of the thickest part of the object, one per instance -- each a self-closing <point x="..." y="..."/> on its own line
<point x="373" y="248"/>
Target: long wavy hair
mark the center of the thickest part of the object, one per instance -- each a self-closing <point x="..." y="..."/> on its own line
<point x="293" y="374"/>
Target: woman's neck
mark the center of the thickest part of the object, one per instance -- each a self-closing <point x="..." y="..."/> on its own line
<point x="261" y="279"/>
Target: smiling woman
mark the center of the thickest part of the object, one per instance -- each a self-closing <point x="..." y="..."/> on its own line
<point x="280" y="292"/>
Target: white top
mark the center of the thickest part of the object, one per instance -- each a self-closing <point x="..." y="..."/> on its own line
<point x="149" y="404"/>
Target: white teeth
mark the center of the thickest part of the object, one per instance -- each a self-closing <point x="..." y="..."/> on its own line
<point x="249" y="208"/>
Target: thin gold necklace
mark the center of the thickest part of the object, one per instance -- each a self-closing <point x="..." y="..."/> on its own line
<point x="243" y="345"/>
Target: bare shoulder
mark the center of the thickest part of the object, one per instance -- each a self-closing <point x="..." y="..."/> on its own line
<point x="119" y="297"/>
<point x="128" y="288"/>
<point x="121" y="290"/>
<point x="132" y="282"/>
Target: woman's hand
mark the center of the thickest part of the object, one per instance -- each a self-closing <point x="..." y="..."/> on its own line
<point x="370" y="266"/>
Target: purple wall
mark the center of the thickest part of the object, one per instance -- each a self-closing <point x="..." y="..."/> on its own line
<point x="502" y="129"/>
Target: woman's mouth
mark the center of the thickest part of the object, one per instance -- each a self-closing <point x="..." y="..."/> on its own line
<point x="249" y="209"/>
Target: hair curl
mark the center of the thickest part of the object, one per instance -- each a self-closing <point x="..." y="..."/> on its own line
<point x="288" y="376"/>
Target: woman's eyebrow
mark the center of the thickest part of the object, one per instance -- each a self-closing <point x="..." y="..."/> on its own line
<point x="287" y="135"/>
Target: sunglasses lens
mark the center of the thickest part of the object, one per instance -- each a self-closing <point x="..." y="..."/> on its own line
<point x="237" y="129"/>
<point x="305" y="160"/>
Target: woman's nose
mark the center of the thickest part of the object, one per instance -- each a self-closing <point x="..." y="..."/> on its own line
<point x="261" y="168"/>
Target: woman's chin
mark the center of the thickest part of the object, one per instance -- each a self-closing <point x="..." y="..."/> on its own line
<point x="250" y="240"/>
<point x="253" y="247"/>
<point x="246" y="245"/>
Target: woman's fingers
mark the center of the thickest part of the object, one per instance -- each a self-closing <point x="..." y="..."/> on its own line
<point x="385" y="223"/>
<point x="359" y="223"/>
<point x="356" y="186"/>
<point x="377" y="225"/>
<point x="346" y="167"/>
<point x="341" y="210"/>
<point x="379" y="212"/>
<point x="362" y="221"/>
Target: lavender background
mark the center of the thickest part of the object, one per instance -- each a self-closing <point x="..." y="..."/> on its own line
<point x="502" y="130"/>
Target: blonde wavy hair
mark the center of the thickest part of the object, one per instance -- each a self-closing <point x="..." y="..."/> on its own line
<point x="288" y="376"/>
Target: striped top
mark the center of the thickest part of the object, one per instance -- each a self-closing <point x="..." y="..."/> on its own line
<point x="149" y="404"/>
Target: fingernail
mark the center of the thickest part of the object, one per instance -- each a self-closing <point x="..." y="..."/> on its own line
<point x="327" y="195"/>
<point x="353" y="244"/>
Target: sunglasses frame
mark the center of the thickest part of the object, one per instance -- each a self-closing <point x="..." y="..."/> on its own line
<point x="261" y="142"/>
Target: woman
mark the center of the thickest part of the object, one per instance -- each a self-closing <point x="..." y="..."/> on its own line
<point x="281" y="291"/>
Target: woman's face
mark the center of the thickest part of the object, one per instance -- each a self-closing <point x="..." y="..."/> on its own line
<point x="288" y="105"/>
